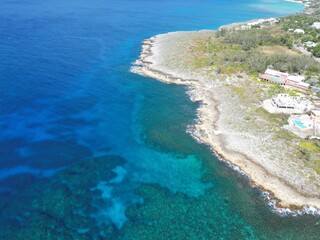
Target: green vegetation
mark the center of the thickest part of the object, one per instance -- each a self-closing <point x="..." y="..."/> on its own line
<point x="309" y="147"/>
<point x="252" y="51"/>
<point x="273" y="90"/>
<point x="311" y="152"/>
<point x="280" y="34"/>
<point x="277" y="119"/>
<point x="316" y="51"/>
<point x="316" y="166"/>
<point x="300" y="21"/>
<point x="250" y="39"/>
<point x="263" y="46"/>
<point x="304" y="22"/>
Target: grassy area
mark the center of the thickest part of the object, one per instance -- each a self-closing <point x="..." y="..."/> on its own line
<point x="271" y="118"/>
<point x="316" y="166"/>
<point x="251" y="51"/>
<point x="311" y="152"/>
<point x="271" y="50"/>
<point x="309" y="147"/>
<point x="301" y="21"/>
<point x="272" y="89"/>
<point x="215" y="53"/>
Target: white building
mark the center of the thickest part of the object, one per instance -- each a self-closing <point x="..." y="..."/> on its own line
<point x="315" y="116"/>
<point x="273" y="20"/>
<point x="299" y="31"/>
<point x="286" y="79"/>
<point x="297" y="81"/>
<point x="263" y="20"/>
<point x="310" y="44"/>
<point x="284" y="103"/>
<point x="276" y="73"/>
<point x="296" y="78"/>
<point x="257" y="22"/>
<point x="316" y="25"/>
<point x="245" y="27"/>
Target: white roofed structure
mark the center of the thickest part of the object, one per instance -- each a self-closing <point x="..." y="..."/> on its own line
<point x="315" y="115"/>
<point x="309" y="44"/>
<point x="296" y="78"/>
<point x="299" y="31"/>
<point x="286" y="79"/>
<point x="276" y="73"/>
<point x="316" y="25"/>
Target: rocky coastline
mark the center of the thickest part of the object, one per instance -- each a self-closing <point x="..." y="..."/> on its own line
<point x="285" y="193"/>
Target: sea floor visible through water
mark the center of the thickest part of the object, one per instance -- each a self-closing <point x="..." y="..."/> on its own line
<point x="89" y="150"/>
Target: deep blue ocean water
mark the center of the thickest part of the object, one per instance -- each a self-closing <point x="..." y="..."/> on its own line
<point x="89" y="150"/>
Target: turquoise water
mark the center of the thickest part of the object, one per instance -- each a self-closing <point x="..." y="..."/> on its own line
<point x="299" y="124"/>
<point x="92" y="151"/>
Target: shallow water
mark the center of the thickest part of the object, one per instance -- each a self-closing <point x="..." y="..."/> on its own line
<point x="88" y="149"/>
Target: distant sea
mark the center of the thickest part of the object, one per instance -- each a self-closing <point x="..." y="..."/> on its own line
<point x="89" y="150"/>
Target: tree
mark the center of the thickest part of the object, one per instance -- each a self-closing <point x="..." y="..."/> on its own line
<point x="316" y="51"/>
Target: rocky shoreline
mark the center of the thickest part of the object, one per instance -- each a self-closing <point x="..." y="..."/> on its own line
<point x="286" y="194"/>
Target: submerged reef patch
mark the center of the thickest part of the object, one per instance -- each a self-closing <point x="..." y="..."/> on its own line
<point x="62" y="207"/>
<point x="182" y="217"/>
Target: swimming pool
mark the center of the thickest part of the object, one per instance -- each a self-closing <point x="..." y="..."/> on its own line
<point x="299" y="124"/>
